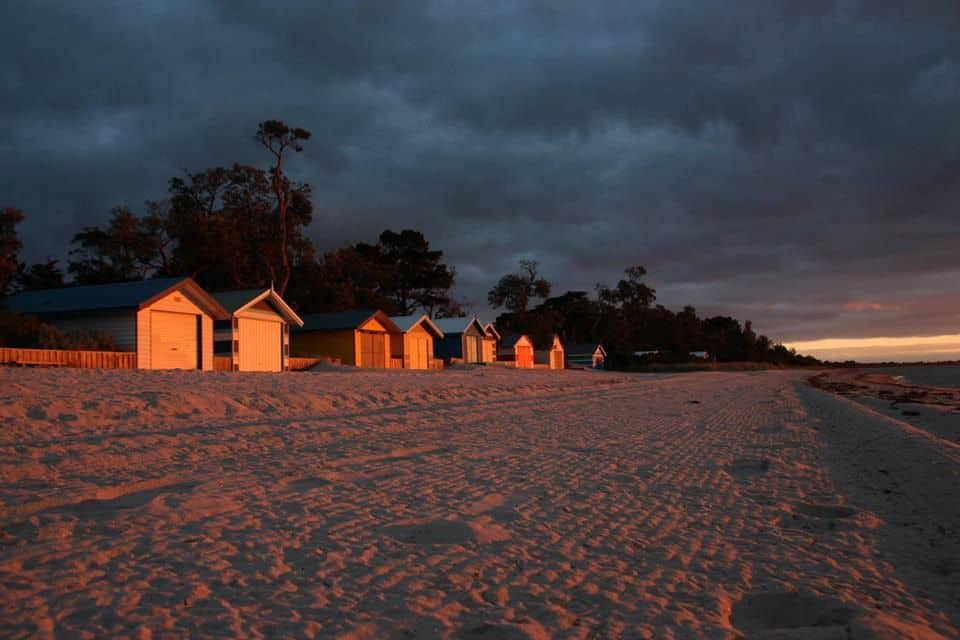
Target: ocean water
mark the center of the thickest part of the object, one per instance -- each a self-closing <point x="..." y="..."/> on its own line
<point x="931" y="375"/>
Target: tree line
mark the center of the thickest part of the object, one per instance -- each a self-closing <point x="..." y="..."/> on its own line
<point x="241" y="226"/>
<point x="625" y="320"/>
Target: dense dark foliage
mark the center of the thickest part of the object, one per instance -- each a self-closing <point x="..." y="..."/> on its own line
<point x="624" y="319"/>
<point x="9" y="246"/>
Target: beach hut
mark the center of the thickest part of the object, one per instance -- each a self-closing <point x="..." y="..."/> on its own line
<point x="415" y="345"/>
<point x="360" y="338"/>
<point x="552" y="356"/>
<point x="168" y="322"/>
<point x="591" y="355"/>
<point x="555" y="357"/>
<point x="491" y="338"/>
<point x="462" y="340"/>
<point x="516" y="348"/>
<point x="257" y="335"/>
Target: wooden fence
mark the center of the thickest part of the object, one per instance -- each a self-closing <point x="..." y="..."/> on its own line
<point x="64" y="358"/>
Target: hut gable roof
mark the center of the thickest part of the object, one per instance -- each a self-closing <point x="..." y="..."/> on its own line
<point x="346" y="320"/>
<point x="236" y="301"/>
<point x="116" y="295"/>
<point x="491" y="330"/>
<point x="510" y="340"/>
<point x="405" y="323"/>
<point x="458" y="325"/>
<point x="544" y="343"/>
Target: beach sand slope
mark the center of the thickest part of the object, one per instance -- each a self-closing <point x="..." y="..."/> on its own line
<point x="488" y="503"/>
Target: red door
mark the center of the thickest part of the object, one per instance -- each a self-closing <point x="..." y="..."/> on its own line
<point x="525" y="357"/>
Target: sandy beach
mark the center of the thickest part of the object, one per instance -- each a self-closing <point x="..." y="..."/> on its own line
<point x="488" y="503"/>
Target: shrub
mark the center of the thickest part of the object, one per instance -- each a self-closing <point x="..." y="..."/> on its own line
<point x="28" y="332"/>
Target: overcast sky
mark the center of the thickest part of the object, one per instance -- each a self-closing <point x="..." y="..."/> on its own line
<point x="794" y="163"/>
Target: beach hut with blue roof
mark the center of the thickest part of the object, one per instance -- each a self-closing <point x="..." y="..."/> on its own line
<point x="168" y="322"/>
<point x="360" y="338"/>
<point x="415" y="347"/>
<point x="257" y="335"/>
<point x="462" y="340"/>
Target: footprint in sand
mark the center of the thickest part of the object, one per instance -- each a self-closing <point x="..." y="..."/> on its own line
<point x="815" y="516"/>
<point x="583" y="449"/>
<point x="430" y="533"/>
<point x="307" y="483"/>
<point x="105" y="506"/>
<point x="746" y="467"/>
<point x="440" y="532"/>
<point x="831" y="511"/>
<point x="760" y="614"/>
<point x="793" y="615"/>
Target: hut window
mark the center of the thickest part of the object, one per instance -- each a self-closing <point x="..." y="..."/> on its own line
<point x="286" y="349"/>
<point x="236" y="346"/>
<point x="236" y="323"/>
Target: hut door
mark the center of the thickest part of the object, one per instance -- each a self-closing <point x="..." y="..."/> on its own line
<point x="174" y="340"/>
<point x="525" y="357"/>
<point x="261" y="344"/>
<point x="373" y="351"/>
<point x="472" y="353"/>
<point x="556" y="359"/>
<point x="418" y="353"/>
<point x="423" y="349"/>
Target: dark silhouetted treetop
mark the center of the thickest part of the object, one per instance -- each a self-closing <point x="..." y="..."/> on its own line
<point x="9" y="246"/>
<point x="514" y="290"/>
<point x="278" y="138"/>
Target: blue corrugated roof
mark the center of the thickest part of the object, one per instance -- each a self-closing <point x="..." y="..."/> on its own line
<point x="116" y="295"/>
<point x="406" y="322"/>
<point x="233" y="300"/>
<point x="455" y="325"/>
<point x="581" y="349"/>
<point x="510" y="339"/>
<point x="337" y="321"/>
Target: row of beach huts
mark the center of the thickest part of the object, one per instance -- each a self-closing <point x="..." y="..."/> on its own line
<point x="173" y="323"/>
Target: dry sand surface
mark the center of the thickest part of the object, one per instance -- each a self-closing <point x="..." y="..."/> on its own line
<point x="486" y="503"/>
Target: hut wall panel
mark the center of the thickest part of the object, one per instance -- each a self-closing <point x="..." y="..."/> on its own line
<point x="144" y="357"/>
<point x="398" y="346"/>
<point x="334" y="344"/>
<point x="450" y="346"/>
<point x="121" y="326"/>
<point x="489" y="349"/>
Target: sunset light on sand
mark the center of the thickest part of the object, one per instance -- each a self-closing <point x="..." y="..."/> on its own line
<point x="509" y="320"/>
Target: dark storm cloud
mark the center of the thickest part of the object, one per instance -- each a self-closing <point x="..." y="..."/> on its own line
<point x="794" y="163"/>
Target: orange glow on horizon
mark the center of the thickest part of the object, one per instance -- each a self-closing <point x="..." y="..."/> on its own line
<point x="874" y="349"/>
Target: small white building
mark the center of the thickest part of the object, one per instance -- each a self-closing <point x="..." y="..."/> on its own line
<point x="257" y="335"/>
<point x="414" y="347"/>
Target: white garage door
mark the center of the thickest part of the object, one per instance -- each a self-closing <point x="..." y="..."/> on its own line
<point x="173" y="340"/>
<point x="260" y="345"/>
